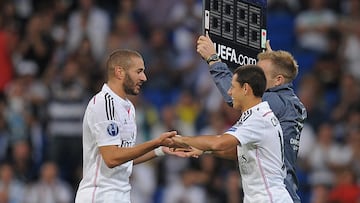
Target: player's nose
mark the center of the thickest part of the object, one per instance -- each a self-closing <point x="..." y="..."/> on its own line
<point x="143" y="77"/>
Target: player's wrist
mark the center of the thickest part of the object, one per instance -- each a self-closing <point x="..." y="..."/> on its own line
<point x="207" y="152"/>
<point x="213" y="58"/>
<point x="159" y="151"/>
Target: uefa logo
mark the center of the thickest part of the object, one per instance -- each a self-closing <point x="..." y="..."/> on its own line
<point x="112" y="129"/>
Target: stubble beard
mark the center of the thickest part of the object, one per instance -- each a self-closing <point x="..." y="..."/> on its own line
<point x="129" y="86"/>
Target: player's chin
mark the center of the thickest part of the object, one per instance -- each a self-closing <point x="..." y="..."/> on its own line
<point x="137" y="89"/>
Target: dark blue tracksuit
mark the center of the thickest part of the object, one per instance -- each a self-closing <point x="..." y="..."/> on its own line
<point x="287" y="108"/>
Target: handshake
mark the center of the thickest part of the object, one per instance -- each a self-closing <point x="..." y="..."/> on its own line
<point x="174" y="144"/>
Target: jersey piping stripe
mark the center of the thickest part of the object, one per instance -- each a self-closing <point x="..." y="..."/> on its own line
<point x="263" y="176"/>
<point x="112" y="109"/>
<point x="95" y="179"/>
<point x="267" y="113"/>
<point x="109" y="107"/>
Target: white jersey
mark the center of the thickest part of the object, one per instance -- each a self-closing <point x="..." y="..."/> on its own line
<point x="108" y="120"/>
<point x="261" y="155"/>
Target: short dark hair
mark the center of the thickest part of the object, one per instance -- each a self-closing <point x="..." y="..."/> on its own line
<point x="121" y="57"/>
<point x="254" y="76"/>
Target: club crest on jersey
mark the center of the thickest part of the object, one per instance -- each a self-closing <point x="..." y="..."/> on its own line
<point x="113" y="129"/>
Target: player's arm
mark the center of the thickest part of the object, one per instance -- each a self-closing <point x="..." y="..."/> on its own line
<point x="219" y="71"/>
<point x="148" y="156"/>
<point x="220" y="145"/>
<point x="161" y="151"/>
<point x="230" y="154"/>
<point x="114" y="155"/>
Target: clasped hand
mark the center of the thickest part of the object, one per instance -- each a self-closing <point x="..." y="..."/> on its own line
<point x="181" y="149"/>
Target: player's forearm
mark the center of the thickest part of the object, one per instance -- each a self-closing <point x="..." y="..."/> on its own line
<point x="230" y="154"/>
<point x="146" y="157"/>
<point x="204" y="143"/>
<point x="115" y="156"/>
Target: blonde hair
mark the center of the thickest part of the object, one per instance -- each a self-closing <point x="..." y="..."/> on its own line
<point x="283" y="63"/>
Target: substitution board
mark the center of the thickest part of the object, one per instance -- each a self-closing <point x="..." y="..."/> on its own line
<point x="237" y="28"/>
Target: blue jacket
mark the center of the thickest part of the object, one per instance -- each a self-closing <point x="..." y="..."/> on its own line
<point x="287" y="108"/>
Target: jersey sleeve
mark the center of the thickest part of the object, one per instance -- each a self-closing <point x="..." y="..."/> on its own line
<point x="247" y="132"/>
<point x="103" y="125"/>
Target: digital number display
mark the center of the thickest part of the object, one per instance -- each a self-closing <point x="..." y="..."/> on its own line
<point x="236" y="20"/>
<point x="236" y="26"/>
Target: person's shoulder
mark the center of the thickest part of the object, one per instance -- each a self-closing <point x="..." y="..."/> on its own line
<point x="279" y="93"/>
<point x="261" y="110"/>
<point x="271" y="97"/>
<point x="275" y="101"/>
<point x="98" y="100"/>
<point x="256" y="113"/>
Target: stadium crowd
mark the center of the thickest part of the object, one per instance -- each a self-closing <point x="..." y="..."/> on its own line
<point x="52" y="60"/>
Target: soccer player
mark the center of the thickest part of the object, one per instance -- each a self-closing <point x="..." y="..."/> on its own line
<point x="280" y="70"/>
<point x="109" y="133"/>
<point x="257" y="138"/>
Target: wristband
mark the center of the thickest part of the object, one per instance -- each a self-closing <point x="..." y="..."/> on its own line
<point x="159" y="152"/>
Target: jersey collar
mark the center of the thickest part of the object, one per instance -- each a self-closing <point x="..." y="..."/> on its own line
<point x="286" y="86"/>
<point x="123" y="102"/>
<point x="257" y="107"/>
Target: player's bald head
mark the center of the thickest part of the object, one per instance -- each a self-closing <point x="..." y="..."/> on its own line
<point x="120" y="57"/>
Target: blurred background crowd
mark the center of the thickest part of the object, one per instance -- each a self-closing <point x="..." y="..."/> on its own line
<point x="52" y="55"/>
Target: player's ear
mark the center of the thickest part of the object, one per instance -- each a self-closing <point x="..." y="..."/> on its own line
<point x="279" y="80"/>
<point x="246" y="88"/>
<point x="119" y="72"/>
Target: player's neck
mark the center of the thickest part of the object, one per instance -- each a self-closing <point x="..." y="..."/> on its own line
<point x="117" y="89"/>
<point x="251" y="103"/>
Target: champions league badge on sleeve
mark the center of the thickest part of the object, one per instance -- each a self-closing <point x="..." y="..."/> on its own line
<point x="237" y="28"/>
<point x="113" y="129"/>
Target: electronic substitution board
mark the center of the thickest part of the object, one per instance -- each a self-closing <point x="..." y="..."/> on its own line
<point x="237" y="28"/>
